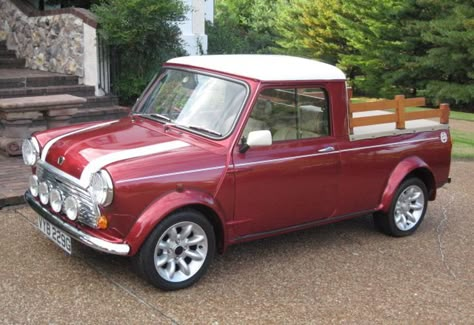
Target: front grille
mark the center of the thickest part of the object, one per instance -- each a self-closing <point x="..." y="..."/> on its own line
<point x="88" y="211"/>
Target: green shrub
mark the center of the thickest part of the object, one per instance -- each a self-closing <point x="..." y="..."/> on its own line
<point x="226" y="37"/>
<point x="142" y="34"/>
<point x="242" y="27"/>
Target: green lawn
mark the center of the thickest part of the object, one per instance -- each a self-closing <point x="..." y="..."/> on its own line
<point x="461" y="116"/>
<point x="463" y="139"/>
<point x="463" y="143"/>
<point x="453" y="115"/>
<point x="356" y="100"/>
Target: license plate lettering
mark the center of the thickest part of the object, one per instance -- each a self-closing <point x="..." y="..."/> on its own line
<point x="56" y="235"/>
<point x="69" y="244"/>
<point x="48" y="229"/>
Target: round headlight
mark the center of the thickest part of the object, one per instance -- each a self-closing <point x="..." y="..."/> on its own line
<point x="34" y="185"/>
<point x="55" y="200"/>
<point x="30" y="151"/>
<point x="101" y="188"/>
<point x="71" y="208"/>
<point x="43" y="191"/>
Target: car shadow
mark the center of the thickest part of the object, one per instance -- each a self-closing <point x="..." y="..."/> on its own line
<point x="248" y="257"/>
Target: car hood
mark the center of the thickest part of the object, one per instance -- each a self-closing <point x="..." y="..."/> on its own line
<point x="134" y="143"/>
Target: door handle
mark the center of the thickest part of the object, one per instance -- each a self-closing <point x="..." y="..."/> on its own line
<point x="327" y="149"/>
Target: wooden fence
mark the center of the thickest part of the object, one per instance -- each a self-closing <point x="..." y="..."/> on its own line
<point x="399" y="115"/>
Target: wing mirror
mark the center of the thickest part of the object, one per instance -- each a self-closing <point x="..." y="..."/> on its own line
<point x="261" y="138"/>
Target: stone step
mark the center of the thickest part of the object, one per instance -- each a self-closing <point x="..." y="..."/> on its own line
<point x="102" y="101"/>
<point x="76" y="90"/>
<point x="12" y="63"/>
<point x="12" y="83"/>
<point x="39" y="103"/>
<point x="38" y="81"/>
<point x="21" y="114"/>
<point x="3" y="45"/>
<point x="7" y="54"/>
<point x="87" y="114"/>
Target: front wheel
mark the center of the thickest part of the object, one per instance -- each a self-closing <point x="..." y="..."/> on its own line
<point x="407" y="210"/>
<point x="178" y="251"/>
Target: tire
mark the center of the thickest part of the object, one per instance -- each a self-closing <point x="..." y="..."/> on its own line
<point x="178" y="251"/>
<point x="407" y="209"/>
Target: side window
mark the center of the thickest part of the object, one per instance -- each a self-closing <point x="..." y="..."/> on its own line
<point x="290" y="114"/>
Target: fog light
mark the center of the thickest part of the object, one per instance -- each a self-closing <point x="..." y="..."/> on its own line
<point x="102" y="223"/>
<point x="55" y="200"/>
<point x="71" y="208"/>
<point x="34" y="184"/>
<point x="43" y="191"/>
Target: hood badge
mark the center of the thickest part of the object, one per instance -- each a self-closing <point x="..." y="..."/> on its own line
<point x="61" y="160"/>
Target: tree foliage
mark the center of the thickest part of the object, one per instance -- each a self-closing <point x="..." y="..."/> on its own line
<point x="450" y="57"/>
<point x="143" y="34"/>
<point x="310" y="29"/>
<point x="383" y="45"/>
<point x="242" y="26"/>
<point x="388" y="46"/>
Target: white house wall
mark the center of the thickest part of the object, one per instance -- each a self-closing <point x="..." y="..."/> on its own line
<point x="209" y="10"/>
<point x="193" y="28"/>
<point x="91" y="66"/>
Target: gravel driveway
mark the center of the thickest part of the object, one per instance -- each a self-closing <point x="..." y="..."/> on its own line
<point x="340" y="273"/>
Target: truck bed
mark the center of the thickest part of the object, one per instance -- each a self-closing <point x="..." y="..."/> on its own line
<point x="387" y="129"/>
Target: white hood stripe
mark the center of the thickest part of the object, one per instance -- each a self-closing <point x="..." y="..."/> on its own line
<point x="144" y="178"/>
<point x="97" y="164"/>
<point x="53" y="141"/>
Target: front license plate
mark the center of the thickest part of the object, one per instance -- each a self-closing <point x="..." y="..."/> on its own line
<point x="58" y="236"/>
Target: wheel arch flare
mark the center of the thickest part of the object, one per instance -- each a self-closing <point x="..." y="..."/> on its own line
<point x="409" y="167"/>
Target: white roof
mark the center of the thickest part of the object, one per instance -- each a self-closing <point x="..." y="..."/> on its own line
<point x="264" y="67"/>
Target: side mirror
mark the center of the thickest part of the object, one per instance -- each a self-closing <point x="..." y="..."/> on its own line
<point x="261" y="138"/>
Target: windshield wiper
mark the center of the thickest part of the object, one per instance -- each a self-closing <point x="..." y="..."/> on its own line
<point x="156" y="115"/>
<point x="161" y="117"/>
<point x="203" y="129"/>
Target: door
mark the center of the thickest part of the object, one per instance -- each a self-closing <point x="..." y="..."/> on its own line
<point x="294" y="180"/>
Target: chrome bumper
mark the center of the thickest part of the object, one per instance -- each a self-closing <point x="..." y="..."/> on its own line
<point x="79" y="235"/>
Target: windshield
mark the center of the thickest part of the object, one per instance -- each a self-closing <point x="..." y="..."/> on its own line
<point x="194" y="101"/>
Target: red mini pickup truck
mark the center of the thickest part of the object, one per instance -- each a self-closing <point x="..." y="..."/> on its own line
<point x="225" y="149"/>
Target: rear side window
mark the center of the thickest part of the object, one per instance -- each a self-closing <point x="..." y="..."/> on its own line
<point x="291" y="114"/>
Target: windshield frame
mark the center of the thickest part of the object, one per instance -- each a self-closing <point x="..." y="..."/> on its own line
<point x="154" y="83"/>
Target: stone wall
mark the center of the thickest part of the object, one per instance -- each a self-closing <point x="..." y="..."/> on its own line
<point x="51" y="43"/>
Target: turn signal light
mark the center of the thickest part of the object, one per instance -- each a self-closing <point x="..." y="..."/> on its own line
<point x="102" y="223"/>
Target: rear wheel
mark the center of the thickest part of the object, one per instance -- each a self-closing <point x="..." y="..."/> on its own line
<point x="407" y="210"/>
<point x="178" y="251"/>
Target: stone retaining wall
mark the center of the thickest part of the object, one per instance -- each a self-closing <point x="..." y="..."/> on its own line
<point x="48" y="42"/>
